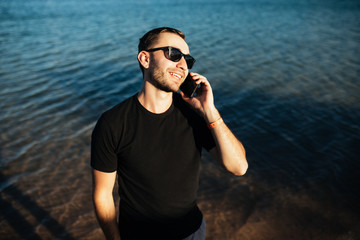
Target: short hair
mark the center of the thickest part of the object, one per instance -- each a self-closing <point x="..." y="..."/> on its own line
<point x="152" y="36"/>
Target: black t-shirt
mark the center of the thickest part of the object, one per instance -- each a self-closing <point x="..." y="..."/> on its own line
<point x="157" y="157"/>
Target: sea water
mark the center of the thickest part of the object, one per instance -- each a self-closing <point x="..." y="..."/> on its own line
<point x="285" y="76"/>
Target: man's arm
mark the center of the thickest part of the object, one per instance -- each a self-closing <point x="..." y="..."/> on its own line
<point x="103" y="185"/>
<point x="229" y="151"/>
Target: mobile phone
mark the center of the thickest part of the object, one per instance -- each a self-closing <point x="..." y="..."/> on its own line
<point x="188" y="87"/>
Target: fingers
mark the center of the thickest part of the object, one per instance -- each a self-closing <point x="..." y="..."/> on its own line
<point x="199" y="79"/>
<point x="184" y="96"/>
<point x="204" y="98"/>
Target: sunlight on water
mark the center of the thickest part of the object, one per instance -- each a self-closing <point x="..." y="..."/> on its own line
<point x="285" y="76"/>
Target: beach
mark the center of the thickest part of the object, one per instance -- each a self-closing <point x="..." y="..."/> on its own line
<point x="285" y="76"/>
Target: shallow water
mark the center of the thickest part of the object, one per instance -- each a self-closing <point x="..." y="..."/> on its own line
<point x="285" y="77"/>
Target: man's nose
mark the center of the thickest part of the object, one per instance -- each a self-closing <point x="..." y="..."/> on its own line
<point x="182" y="64"/>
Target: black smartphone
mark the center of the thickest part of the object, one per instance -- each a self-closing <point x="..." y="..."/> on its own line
<point x="188" y="87"/>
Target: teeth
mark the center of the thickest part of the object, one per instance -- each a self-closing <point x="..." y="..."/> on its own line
<point x="175" y="75"/>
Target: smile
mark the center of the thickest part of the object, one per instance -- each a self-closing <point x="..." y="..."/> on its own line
<point x="176" y="75"/>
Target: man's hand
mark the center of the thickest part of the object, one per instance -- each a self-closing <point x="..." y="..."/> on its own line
<point x="203" y="102"/>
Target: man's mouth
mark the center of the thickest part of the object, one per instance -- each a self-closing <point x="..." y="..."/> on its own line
<point x="178" y="76"/>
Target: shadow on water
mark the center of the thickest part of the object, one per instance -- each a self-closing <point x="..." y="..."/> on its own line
<point x="19" y="223"/>
<point x="299" y="143"/>
<point x="303" y="171"/>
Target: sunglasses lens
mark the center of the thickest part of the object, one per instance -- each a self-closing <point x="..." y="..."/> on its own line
<point x="174" y="55"/>
<point x="189" y="61"/>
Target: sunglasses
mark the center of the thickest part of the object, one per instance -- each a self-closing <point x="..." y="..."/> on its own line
<point x="175" y="55"/>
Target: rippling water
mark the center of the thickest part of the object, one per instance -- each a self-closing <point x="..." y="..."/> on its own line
<point x="286" y="80"/>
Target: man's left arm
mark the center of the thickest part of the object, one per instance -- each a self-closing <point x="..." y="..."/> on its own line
<point x="229" y="151"/>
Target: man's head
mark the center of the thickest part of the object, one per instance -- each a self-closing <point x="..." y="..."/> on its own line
<point x="164" y="67"/>
<point x="152" y="36"/>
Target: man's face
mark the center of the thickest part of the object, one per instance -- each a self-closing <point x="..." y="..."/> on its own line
<point x="164" y="73"/>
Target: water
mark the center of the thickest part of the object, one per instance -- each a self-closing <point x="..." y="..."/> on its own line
<point x="286" y="80"/>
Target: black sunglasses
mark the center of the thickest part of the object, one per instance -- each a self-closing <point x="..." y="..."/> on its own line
<point x="175" y="55"/>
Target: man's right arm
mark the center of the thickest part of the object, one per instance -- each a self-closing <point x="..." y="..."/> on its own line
<point x="103" y="185"/>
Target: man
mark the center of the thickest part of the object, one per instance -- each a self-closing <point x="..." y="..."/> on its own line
<point x="153" y="142"/>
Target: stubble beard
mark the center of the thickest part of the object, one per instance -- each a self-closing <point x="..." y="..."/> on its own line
<point x="159" y="79"/>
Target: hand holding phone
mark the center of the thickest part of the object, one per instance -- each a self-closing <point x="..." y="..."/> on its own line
<point x="188" y="87"/>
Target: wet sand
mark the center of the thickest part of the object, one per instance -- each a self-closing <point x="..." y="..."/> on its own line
<point x="234" y="208"/>
<point x="242" y="208"/>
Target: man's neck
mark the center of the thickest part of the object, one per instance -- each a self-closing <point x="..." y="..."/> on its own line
<point x="154" y="99"/>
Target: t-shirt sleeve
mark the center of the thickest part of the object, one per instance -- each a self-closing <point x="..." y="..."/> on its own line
<point x="103" y="154"/>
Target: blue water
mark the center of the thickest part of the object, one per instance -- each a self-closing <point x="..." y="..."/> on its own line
<point x="286" y="80"/>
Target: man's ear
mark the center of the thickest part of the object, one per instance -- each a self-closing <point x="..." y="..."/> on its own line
<point x="144" y="59"/>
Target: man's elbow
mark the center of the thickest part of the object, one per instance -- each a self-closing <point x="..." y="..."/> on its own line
<point x="101" y="197"/>
<point x="240" y="171"/>
<point x="240" y="168"/>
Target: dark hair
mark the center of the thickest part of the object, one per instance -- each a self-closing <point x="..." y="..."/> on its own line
<point x="152" y="36"/>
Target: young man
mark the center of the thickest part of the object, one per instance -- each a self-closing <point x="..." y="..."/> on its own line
<point x="153" y="142"/>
